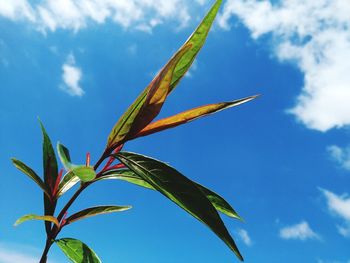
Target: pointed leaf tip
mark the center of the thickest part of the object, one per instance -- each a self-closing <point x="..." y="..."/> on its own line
<point x="189" y="115"/>
<point x="181" y="191"/>
<point x="36" y="217"/>
<point x="64" y="156"/>
<point x="31" y="174"/>
<point x="50" y="174"/>
<point x="94" y="211"/>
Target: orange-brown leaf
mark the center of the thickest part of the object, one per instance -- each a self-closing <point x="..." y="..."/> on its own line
<point x="189" y="115"/>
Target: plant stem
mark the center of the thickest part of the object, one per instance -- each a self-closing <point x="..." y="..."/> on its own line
<point x="71" y="201"/>
<point x="55" y="230"/>
<point x="43" y="258"/>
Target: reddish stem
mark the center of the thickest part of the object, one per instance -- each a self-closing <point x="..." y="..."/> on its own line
<point x="58" y="180"/>
<point x="111" y="158"/>
<point x="88" y="159"/>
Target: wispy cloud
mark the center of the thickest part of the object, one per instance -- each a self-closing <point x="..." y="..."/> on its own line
<point x="315" y="35"/>
<point x="16" y="257"/>
<point x="341" y="155"/>
<point x="71" y="77"/>
<point x="18" y="253"/>
<point x="244" y="236"/>
<point x="339" y="205"/>
<point x="50" y="15"/>
<point x="301" y="231"/>
<point x="17" y="10"/>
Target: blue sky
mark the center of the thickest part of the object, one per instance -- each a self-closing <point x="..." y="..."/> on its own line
<point x="282" y="161"/>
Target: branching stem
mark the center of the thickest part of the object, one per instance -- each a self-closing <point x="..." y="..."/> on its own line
<point x="56" y="230"/>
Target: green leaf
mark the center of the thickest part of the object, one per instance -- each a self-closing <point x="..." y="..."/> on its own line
<point x="197" y="40"/>
<point x="64" y="155"/>
<point x="31" y="174"/>
<point x="147" y="106"/>
<point x="97" y="210"/>
<point x="84" y="173"/>
<point x="68" y="181"/>
<point x="50" y="175"/>
<point x="77" y="251"/>
<point x="125" y="175"/>
<point x="180" y="190"/>
<point x="150" y="101"/>
<point x="50" y="219"/>
<point x="217" y="201"/>
<point x="189" y="115"/>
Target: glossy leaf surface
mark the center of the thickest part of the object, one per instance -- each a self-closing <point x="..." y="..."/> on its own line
<point x="64" y="155"/>
<point x="180" y="190"/>
<point x="31" y="174"/>
<point x="25" y="218"/>
<point x="94" y="211"/>
<point x="189" y="115"/>
<point x="77" y="251"/>
<point x="197" y="40"/>
<point x="50" y="175"/>
<point x="147" y="106"/>
<point x="217" y="201"/>
<point x="68" y="181"/>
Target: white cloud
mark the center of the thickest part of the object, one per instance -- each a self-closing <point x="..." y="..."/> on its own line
<point x="243" y="234"/>
<point x="71" y="77"/>
<point x="340" y="155"/>
<point x="18" y="253"/>
<point x="76" y="14"/>
<point x="7" y="256"/>
<point x="339" y="205"/>
<point x="301" y="231"/>
<point x="315" y="35"/>
<point x="17" y="9"/>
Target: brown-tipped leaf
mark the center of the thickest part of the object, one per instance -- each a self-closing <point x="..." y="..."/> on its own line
<point x="181" y="191"/>
<point x="147" y="106"/>
<point x="94" y="211"/>
<point x="189" y="115"/>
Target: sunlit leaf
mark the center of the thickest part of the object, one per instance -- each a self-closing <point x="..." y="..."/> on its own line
<point x="31" y="174"/>
<point x="93" y="211"/>
<point x="180" y="190"/>
<point x="50" y="175"/>
<point x="217" y="201"/>
<point x="189" y="115"/>
<point x="125" y="175"/>
<point x="147" y="106"/>
<point x="197" y="40"/>
<point x="84" y="173"/>
<point x="64" y="155"/>
<point x="77" y="251"/>
<point x="68" y="181"/>
<point x="149" y="103"/>
<point x="50" y="219"/>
